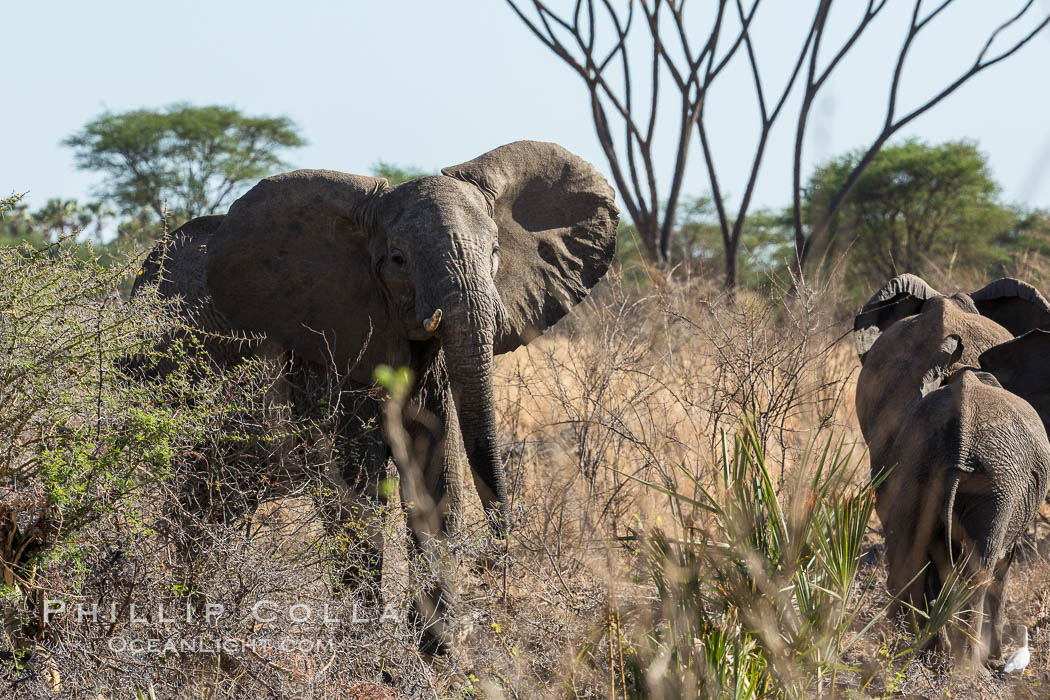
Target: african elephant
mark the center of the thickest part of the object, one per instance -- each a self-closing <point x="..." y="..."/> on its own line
<point x="344" y="272"/>
<point x="1020" y="365"/>
<point x="971" y="468"/>
<point x="899" y="330"/>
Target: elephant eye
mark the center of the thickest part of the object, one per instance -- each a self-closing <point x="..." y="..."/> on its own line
<point x="397" y="257"/>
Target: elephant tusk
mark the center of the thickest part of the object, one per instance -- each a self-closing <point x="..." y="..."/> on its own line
<point x="432" y="323"/>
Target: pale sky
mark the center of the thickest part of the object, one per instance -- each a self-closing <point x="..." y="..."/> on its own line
<point x="430" y="83"/>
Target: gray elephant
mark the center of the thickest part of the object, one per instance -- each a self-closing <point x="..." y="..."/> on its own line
<point x="344" y="272"/>
<point x="900" y="329"/>
<point x="971" y="468"/>
<point x="899" y="335"/>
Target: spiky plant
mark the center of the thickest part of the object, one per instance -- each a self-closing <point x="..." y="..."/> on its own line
<point x="767" y="599"/>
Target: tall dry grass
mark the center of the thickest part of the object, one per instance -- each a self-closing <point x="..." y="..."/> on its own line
<point x="641" y="384"/>
<point x="630" y="465"/>
<point x="615" y="424"/>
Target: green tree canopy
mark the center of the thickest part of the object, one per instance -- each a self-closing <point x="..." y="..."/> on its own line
<point x="916" y="208"/>
<point x="396" y="174"/>
<point x="56" y="220"/>
<point x="765" y="244"/>
<point x="191" y="160"/>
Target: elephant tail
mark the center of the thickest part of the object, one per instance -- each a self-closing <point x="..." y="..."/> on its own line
<point x="949" y="507"/>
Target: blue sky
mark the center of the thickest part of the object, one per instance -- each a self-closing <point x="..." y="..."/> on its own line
<point x="429" y="84"/>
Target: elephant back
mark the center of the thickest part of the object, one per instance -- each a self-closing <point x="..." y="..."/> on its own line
<point x="890" y="380"/>
<point x="993" y="437"/>
<point x="1009" y="451"/>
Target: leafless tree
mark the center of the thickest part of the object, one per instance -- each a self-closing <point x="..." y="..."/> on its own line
<point x="893" y="122"/>
<point x="692" y="66"/>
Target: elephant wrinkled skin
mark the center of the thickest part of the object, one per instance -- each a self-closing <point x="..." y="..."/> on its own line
<point x="343" y="273"/>
<point x="969" y="458"/>
<point x="971" y="468"/>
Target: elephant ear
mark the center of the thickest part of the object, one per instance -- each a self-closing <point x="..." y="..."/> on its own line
<point x="167" y="265"/>
<point x="291" y="260"/>
<point x="1015" y="305"/>
<point x="947" y="354"/>
<point x="1020" y="366"/>
<point x="902" y="296"/>
<point x="556" y="225"/>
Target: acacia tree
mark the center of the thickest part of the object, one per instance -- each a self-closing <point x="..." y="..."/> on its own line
<point x="185" y="159"/>
<point x="914" y="207"/>
<point x="596" y="37"/>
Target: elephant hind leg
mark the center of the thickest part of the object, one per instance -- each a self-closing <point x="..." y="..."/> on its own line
<point x="970" y="650"/>
<point x="995" y="616"/>
<point x="972" y="633"/>
<point x="909" y="538"/>
<point x="964" y="638"/>
<point x="938" y="573"/>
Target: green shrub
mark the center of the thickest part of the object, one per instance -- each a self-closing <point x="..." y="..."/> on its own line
<point x="78" y="436"/>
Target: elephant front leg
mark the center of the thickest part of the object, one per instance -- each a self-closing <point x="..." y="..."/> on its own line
<point x="426" y="449"/>
<point x="353" y="510"/>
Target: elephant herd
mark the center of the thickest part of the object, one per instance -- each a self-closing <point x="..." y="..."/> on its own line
<point x="952" y="400"/>
<point x="341" y="273"/>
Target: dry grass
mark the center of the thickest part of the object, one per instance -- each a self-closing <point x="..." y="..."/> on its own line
<point x="644" y="385"/>
<point x="641" y="385"/>
<point x="635" y="386"/>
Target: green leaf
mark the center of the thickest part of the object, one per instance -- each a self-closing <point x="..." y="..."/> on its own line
<point x="397" y="382"/>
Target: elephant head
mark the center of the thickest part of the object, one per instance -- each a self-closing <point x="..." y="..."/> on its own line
<point x="1015" y="305"/>
<point x="900" y="329"/>
<point x="348" y="271"/>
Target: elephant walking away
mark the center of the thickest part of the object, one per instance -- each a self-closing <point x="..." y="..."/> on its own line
<point x="900" y="329"/>
<point x="926" y="433"/>
<point x="972" y="467"/>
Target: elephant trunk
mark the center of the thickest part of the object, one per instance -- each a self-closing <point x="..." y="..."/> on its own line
<point x="468" y="358"/>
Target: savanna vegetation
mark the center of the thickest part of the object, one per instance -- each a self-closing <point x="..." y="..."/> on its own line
<point x="692" y="512"/>
<point x="689" y="486"/>
<point x="629" y="54"/>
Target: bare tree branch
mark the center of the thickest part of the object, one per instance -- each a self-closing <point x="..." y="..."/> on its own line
<point x="805" y="245"/>
<point x="692" y="67"/>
